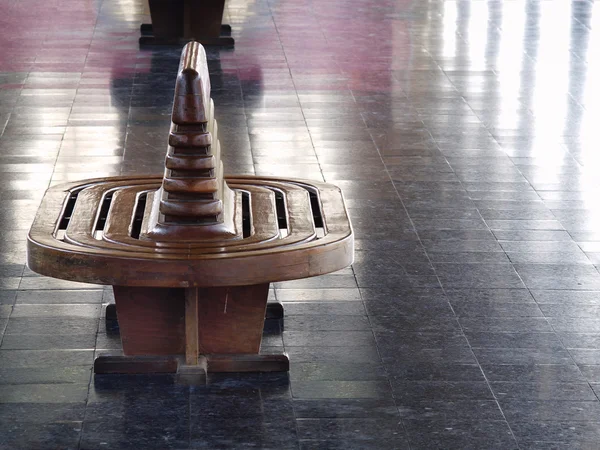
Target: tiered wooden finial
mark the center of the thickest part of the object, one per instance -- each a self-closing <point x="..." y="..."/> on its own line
<point x="194" y="202"/>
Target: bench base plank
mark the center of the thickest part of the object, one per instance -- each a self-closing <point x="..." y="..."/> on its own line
<point x="120" y="364"/>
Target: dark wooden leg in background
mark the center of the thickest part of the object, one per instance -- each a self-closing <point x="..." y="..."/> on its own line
<point x="146" y="29"/>
<point x="111" y="312"/>
<point x="176" y="22"/>
<point x="274" y="311"/>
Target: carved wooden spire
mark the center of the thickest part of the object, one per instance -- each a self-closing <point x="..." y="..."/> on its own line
<point x="194" y="201"/>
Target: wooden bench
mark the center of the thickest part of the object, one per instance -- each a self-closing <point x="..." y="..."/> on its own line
<point x="179" y="21"/>
<point x="190" y="255"/>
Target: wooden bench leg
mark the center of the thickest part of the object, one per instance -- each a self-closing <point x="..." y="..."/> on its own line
<point x="191" y="331"/>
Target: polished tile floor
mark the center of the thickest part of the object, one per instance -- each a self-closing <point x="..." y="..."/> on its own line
<point x="464" y="135"/>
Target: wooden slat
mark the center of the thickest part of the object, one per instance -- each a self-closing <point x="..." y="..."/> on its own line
<point x="83" y="219"/>
<point x="300" y="222"/>
<point x="80" y="230"/>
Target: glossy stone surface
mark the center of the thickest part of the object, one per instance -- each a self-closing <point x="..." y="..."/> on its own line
<point x="463" y="134"/>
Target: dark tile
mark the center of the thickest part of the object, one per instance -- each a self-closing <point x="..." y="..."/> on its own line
<point x="506" y="340"/>
<point x="159" y="433"/>
<point x="410" y="391"/>
<point x="457" y="296"/>
<point x="548" y="276"/>
<point x="458" y="409"/>
<point x="432" y="371"/>
<point x="342" y="354"/>
<point x="415" y="322"/>
<point x="423" y="347"/>
<point x="505" y="324"/>
<point x="328" y="338"/>
<point x="325" y="323"/>
<point x="555" y="355"/>
<point x="345" y="408"/>
<point x="525" y="373"/>
<point x="247" y="403"/>
<point x="458" y="433"/>
<point x="543" y="390"/>
<point x="345" y="428"/>
<point x="398" y="443"/>
<point x="520" y="410"/>
<point x="335" y="371"/>
<point x="493" y="308"/>
<point x="557" y="434"/>
<point x="23" y="435"/>
<point x="317" y="389"/>
<point x="478" y="276"/>
<point x="248" y="432"/>
<point x="430" y="308"/>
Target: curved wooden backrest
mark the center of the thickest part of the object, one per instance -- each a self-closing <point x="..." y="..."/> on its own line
<point x="194" y="201"/>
